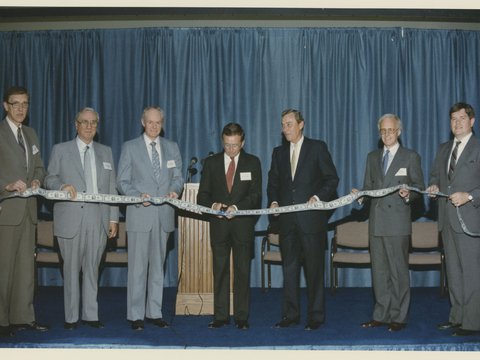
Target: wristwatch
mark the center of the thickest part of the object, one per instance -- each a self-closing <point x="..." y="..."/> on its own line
<point x="470" y="197"/>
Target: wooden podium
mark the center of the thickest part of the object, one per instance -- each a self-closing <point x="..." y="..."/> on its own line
<point x="195" y="285"/>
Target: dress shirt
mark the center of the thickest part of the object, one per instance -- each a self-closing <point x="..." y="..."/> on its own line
<point x="14" y="129"/>
<point x="148" y="141"/>
<point x="393" y="150"/>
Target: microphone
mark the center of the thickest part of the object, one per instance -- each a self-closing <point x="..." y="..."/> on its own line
<point x="191" y="170"/>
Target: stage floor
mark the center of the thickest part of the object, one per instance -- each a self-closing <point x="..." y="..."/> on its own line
<point x="341" y="331"/>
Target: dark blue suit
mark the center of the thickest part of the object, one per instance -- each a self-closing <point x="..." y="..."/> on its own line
<point x="303" y="234"/>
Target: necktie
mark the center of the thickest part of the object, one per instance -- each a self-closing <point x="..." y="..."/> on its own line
<point x="87" y="169"/>
<point x="385" y="162"/>
<point x="155" y="160"/>
<point x="21" y="142"/>
<point x="293" y="160"/>
<point x="230" y="174"/>
<point x="453" y="160"/>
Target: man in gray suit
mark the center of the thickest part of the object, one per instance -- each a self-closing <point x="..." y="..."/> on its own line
<point x="149" y="166"/>
<point x="456" y="172"/>
<point x="21" y="167"/>
<point x="82" y="165"/>
<point x="390" y="224"/>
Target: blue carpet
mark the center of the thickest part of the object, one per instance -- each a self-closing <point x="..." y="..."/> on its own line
<point x="345" y="311"/>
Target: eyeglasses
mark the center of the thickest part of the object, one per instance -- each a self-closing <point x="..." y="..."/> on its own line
<point x="86" y="123"/>
<point x="388" y="131"/>
<point x="232" y="146"/>
<point x="19" y="105"/>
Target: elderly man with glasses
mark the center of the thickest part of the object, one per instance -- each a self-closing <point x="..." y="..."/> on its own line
<point x="82" y="165"/>
<point x="390" y="224"/>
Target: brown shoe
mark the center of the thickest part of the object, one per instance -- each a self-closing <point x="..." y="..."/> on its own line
<point x="372" y="324"/>
<point x="394" y="326"/>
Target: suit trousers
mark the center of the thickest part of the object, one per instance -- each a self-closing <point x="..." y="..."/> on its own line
<point x="17" y="246"/>
<point x="297" y="247"/>
<point x="462" y="258"/>
<point x="82" y="254"/>
<point x="240" y="245"/>
<point x="146" y="259"/>
<point x="391" y="278"/>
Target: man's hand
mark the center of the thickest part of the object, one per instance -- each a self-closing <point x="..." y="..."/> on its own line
<point x="459" y="198"/>
<point x="145" y="196"/>
<point x="274" y="205"/>
<point x="71" y="190"/>
<point x="18" y="185"/>
<point x="432" y="189"/>
<point x="112" y="230"/>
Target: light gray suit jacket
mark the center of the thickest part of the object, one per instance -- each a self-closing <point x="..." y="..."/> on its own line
<point x="12" y="165"/>
<point x="466" y="178"/>
<point x="65" y="167"/>
<point x="135" y="176"/>
<point x="390" y="215"/>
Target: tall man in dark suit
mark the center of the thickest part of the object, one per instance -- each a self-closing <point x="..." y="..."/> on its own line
<point x="231" y="180"/>
<point x="456" y="172"/>
<point x="21" y="167"/>
<point x="82" y="228"/>
<point x="149" y="166"/>
<point x="390" y="224"/>
<point x="301" y="171"/>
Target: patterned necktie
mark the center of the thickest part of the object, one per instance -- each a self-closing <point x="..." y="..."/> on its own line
<point x="21" y="142"/>
<point x="230" y="174"/>
<point x="293" y="160"/>
<point x="385" y="162"/>
<point x="155" y="160"/>
<point x="453" y="160"/>
<point x="87" y="169"/>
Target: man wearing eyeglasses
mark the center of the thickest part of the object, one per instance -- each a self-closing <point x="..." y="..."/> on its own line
<point x="390" y="224"/>
<point x="231" y="180"/>
<point x="21" y="168"/>
<point x="82" y="165"/>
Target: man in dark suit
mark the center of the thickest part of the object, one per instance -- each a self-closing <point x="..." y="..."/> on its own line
<point x="82" y="228"/>
<point x="231" y="180"/>
<point x="456" y="172"/>
<point x="390" y="224"/>
<point x="149" y="166"/>
<point x="301" y="171"/>
<point x="21" y="167"/>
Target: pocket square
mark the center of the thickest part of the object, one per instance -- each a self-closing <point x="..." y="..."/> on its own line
<point x="401" y="172"/>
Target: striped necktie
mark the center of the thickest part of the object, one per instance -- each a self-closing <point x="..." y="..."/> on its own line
<point x="453" y="160"/>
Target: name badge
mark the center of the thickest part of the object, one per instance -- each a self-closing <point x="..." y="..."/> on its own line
<point x="107" y="165"/>
<point x="171" y="164"/>
<point x="34" y="150"/>
<point x="401" y="172"/>
<point x="245" y="176"/>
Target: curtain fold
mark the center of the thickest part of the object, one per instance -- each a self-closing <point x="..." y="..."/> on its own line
<point x="343" y="79"/>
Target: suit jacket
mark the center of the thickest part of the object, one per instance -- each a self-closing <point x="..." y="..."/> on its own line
<point x="135" y="176"/>
<point x="315" y="175"/>
<point x="466" y="178"/>
<point x="13" y="167"/>
<point x="65" y="167"/>
<point x="390" y="215"/>
<point x="246" y="191"/>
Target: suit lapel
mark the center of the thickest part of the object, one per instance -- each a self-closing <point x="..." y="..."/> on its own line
<point x="465" y="155"/>
<point x="76" y="157"/>
<point x="142" y="153"/>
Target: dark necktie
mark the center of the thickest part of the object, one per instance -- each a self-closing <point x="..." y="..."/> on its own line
<point x="87" y="169"/>
<point x="385" y="162"/>
<point x="230" y="174"/>
<point x="453" y="160"/>
<point x="155" y="160"/>
<point x="21" y="142"/>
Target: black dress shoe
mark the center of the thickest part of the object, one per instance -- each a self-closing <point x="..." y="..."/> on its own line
<point x="394" y="326"/>
<point x="286" y="322"/>
<point x="312" y="325"/>
<point x="242" y="324"/>
<point x="6" y="331"/>
<point x="95" y="324"/>
<point x="448" y="325"/>
<point x="158" y="322"/>
<point x="464" y="332"/>
<point x="138" y="325"/>
<point x="215" y="324"/>
<point x="31" y="326"/>
<point x="372" y="324"/>
<point x="69" y="325"/>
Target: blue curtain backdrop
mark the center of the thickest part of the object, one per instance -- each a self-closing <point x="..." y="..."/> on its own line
<point x="343" y="79"/>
